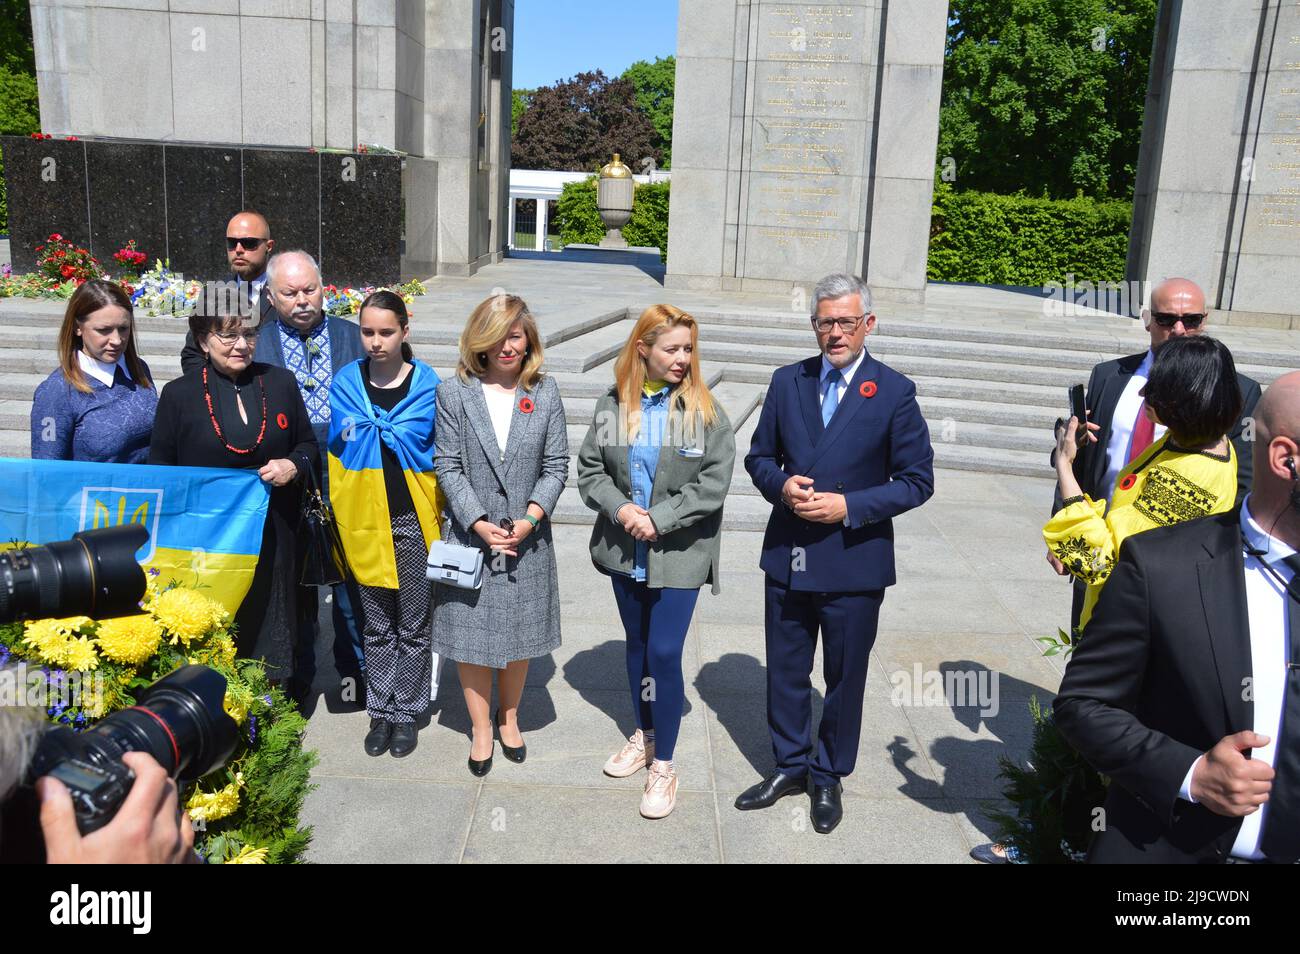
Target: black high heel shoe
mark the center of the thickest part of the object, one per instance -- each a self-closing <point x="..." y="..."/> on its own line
<point x="479" y="768"/>
<point x="511" y="752"/>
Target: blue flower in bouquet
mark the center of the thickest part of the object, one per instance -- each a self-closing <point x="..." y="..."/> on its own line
<point x="252" y="730"/>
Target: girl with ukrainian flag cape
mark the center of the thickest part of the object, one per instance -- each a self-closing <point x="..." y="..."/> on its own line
<point x="386" y="500"/>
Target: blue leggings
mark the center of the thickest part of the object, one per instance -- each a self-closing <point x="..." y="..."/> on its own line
<point x="656" y="622"/>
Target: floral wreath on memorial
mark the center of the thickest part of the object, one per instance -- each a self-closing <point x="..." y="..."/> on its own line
<point x="246" y="812"/>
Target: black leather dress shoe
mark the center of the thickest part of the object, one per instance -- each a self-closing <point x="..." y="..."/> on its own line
<point x="377" y="739"/>
<point x="826" y="808"/>
<point x="513" y="753"/>
<point x="404" y="738"/>
<point x="766" y="793"/>
<point x="480" y="767"/>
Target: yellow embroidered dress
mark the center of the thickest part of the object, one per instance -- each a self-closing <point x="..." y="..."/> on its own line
<point x="1163" y="486"/>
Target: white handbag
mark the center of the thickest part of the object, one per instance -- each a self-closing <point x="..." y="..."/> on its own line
<point x="455" y="565"/>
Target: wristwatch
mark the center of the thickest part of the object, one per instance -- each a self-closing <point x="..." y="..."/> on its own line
<point x="531" y="519"/>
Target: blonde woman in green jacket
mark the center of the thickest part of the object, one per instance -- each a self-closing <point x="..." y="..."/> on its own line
<point x="655" y="466"/>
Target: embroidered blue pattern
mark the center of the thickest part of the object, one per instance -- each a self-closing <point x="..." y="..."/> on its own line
<point x="311" y="364"/>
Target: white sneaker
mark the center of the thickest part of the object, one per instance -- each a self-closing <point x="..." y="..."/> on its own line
<point x="635" y="755"/>
<point x="660" y="796"/>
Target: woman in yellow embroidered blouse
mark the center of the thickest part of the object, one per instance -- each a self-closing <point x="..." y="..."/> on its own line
<point x="1190" y="472"/>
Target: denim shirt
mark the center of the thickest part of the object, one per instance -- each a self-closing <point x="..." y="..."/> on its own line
<point x="643" y="458"/>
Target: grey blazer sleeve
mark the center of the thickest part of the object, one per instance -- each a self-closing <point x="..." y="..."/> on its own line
<point x="694" y="501"/>
<point x="555" y="454"/>
<point x="449" y="437"/>
<point x="596" y="486"/>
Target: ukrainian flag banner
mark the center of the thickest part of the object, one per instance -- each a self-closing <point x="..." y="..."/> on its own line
<point x="204" y="523"/>
<point x="357" y="493"/>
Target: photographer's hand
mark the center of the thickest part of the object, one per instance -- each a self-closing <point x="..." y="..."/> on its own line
<point x="148" y="829"/>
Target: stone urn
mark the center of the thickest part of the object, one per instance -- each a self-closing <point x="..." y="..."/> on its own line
<point x="614" y="201"/>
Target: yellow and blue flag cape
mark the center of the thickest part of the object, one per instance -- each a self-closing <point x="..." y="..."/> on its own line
<point x="357" y="491"/>
<point x="204" y="523"/>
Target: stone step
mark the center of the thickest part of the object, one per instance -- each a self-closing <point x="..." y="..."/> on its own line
<point x="1042" y="372"/>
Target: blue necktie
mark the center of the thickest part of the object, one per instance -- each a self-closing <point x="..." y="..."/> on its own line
<point x="832" y="399"/>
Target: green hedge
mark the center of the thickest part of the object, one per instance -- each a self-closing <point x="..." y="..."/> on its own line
<point x="995" y="239"/>
<point x="579" y="220"/>
<point x="975" y="237"/>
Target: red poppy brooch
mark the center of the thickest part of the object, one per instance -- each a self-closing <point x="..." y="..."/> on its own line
<point x="1128" y="482"/>
<point x="283" y="421"/>
<point x="526" y="405"/>
<point x="868" y="389"/>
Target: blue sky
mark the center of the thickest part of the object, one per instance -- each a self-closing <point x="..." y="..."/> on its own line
<point x="554" y="39"/>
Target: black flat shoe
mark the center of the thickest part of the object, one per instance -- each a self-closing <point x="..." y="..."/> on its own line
<point x="405" y="735"/>
<point x="513" y="753"/>
<point x="380" y="734"/>
<point x="767" y="792"/>
<point x="826" y="808"/>
<point x="479" y="768"/>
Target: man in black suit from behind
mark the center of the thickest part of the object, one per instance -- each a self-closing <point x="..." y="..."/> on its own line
<point x="1185" y="689"/>
<point x="1177" y="308"/>
<point x="248" y="248"/>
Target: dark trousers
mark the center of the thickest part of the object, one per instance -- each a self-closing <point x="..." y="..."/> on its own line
<point x="847" y="623"/>
<point x="656" y="622"/>
<point x="349" y="654"/>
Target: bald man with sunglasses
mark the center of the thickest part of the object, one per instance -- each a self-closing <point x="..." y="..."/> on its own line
<point x="1114" y="403"/>
<point x="248" y="249"/>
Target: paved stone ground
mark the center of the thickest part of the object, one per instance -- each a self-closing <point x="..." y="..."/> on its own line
<point x="974" y="591"/>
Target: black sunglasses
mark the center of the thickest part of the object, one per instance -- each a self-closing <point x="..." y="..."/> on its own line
<point x="250" y="244"/>
<point x="1167" y="319"/>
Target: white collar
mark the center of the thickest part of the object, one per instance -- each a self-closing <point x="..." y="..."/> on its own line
<point x="848" y="372"/>
<point x="101" y="371"/>
<point x="1257" y="538"/>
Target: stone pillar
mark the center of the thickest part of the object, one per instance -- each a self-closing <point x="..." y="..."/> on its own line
<point x="542" y="210"/>
<point x="1217" y="198"/>
<point x="803" y="143"/>
<point x="510" y="242"/>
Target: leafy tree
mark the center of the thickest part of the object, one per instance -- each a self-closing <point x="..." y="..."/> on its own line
<point x="518" y="103"/>
<point x="654" y="94"/>
<point x="579" y="123"/>
<point x="1046" y="96"/>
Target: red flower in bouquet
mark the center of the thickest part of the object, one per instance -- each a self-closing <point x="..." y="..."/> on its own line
<point x="67" y="271"/>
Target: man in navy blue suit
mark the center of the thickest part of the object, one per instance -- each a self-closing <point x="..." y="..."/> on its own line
<point x="841" y="448"/>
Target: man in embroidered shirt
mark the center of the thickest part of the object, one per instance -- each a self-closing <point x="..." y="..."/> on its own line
<point x="312" y="345"/>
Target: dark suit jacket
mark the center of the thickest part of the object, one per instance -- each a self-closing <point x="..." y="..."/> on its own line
<point x="876" y="453"/>
<point x="192" y="356"/>
<point x="1105" y="386"/>
<point x="1157" y="680"/>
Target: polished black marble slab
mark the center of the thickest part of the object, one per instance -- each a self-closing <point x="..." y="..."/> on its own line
<point x="204" y="189"/>
<point x="127" y="200"/>
<point x="285" y="187"/>
<point x="361" y="219"/>
<point x="45" y="183"/>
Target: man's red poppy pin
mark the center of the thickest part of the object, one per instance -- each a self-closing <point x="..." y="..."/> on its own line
<point x="283" y="421"/>
<point x="1128" y="482"/>
<point x="868" y="389"/>
<point x="526" y="405"/>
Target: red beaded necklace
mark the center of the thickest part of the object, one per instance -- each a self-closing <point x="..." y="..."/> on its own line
<point x="207" y="396"/>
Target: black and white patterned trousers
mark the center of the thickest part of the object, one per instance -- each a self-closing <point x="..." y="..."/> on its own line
<point x="399" y="661"/>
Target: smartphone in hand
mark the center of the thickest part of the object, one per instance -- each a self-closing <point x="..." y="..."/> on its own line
<point x="1079" y="411"/>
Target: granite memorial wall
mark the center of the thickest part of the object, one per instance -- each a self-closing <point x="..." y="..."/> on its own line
<point x="803" y="143"/>
<point x="345" y="209"/>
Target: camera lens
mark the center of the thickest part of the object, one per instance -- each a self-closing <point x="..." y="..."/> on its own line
<point x="94" y="574"/>
<point x="180" y="720"/>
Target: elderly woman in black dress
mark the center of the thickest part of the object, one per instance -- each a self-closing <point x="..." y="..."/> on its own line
<point x="233" y="411"/>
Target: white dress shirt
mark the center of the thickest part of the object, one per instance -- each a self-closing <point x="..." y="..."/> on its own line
<point x="1266" y="605"/>
<point x="501" y="407"/>
<point x="100" y="370"/>
<point x="1121" y="425"/>
<point x="846" y="375"/>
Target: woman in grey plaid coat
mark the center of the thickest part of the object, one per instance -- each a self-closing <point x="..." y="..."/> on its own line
<point x="502" y="458"/>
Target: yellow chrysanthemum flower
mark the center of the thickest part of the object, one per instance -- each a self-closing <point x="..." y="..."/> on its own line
<point x="211" y="806"/>
<point x="129" y="639"/>
<point x="248" y="855"/>
<point x="186" y="615"/>
<point x="79" y="654"/>
<point x="239" y="698"/>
